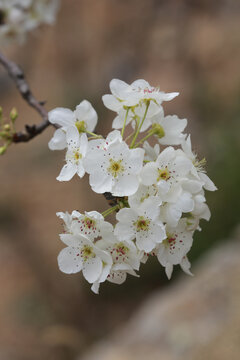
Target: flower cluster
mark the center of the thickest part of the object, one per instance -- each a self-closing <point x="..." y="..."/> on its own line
<point x="158" y="193"/>
<point x="17" y="17"/>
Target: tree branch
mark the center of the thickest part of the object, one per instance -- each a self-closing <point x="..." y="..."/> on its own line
<point x="16" y="73"/>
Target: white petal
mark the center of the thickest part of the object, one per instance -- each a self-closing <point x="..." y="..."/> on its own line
<point x="71" y="240"/>
<point x="117" y="277"/>
<point x="100" y="182"/>
<point x="61" y="116"/>
<point x="72" y="136"/>
<point x="208" y="184"/>
<point x="118" y="87"/>
<point x="80" y="169"/>
<point x="92" y="269"/>
<point x="95" y="287"/>
<point x="145" y="243"/>
<point x="69" y="261"/>
<point x="186" y="265"/>
<point x="140" y="83"/>
<point x="169" y="270"/>
<point x="67" y="172"/>
<point x="83" y="144"/>
<point x="58" y="141"/>
<point x="117" y="122"/>
<point x="149" y="174"/>
<point x="126" y="185"/>
<point x="85" y="112"/>
<point x="111" y="103"/>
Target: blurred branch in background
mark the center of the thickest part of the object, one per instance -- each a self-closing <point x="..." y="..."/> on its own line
<point x="16" y="73"/>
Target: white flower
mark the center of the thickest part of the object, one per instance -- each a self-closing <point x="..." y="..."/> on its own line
<point x="143" y="193"/>
<point x="177" y="244"/>
<point x="84" y="118"/>
<point x="21" y="16"/>
<point x="103" y="144"/>
<point x="200" y="211"/>
<point x="151" y="152"/>
<point x="172" y="212"/>
<point x="92" y="225"/>
<point x="125" y="256"/>
<point x="141" y="223"/>
<point x="135" y="97"/>
<point x="197" y="169"/>
<point x="124" y="253"/>
<point x="114" y="169"/>
<point x="185" y="265"/>
<point x="124" y="95"/>
<point x="82" y="254"/>
<point x="169" y="129"/>
<point x="77" y="149"/>
<point x="167" y="171"/>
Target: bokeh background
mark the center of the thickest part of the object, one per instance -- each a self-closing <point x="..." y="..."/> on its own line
<point x="188" y="46"/>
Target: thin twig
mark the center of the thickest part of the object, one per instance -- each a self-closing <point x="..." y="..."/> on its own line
<point x="16" y="73"/>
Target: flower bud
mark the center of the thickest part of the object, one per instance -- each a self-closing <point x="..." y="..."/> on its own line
<point x="13" y="115"/>
<point x="158" y="130"/>
<point x="3" y="149"/>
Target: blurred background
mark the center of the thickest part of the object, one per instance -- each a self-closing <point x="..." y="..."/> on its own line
<point x="188" y="46"/>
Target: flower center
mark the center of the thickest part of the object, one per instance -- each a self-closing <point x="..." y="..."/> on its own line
<point x="163" y="174"/>
<point x="87" y="252"/>
<point x="149" y="91"/>
<point x="81" y="126"/>
<point x="142" y="224"/>
<point x="115" y="167"/>
<point x="121" y="248"/>
<point x="170" y="241"/>
<point x="77" y="155"/>
<point x="89" y="223"/>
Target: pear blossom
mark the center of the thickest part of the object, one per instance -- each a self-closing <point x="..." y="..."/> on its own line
<point x="172" y="211"/>
<point x="168" y="129"/>
<point x="184" y="264"/>
<point x="167" y="171"/>
<point x="158" y="194"/>
<point x="197" y="169"/>
<point x="91" y="224"/>
<point x="175" y="246"/>
<point x="84" y="118"/>
<point x="77" y="149"/>
<point x="151" y="152"/>
<point x="114" y="169"/>
<point x="82" y="255"/>
<point x="143" y="193"/>
<point x="200" y="211"/>
<point x="136" y="99"/>
<point x="124" y="95"/>
<point x="18" y="17"/>
<point x="142" y="224"/>
<point x="125" y="256"/>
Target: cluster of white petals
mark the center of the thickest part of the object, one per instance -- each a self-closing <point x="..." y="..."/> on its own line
<point x="18" y="17"/>
<point x="158" y="192"/>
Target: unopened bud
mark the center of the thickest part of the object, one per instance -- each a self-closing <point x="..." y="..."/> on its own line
<point x="3" y="149"/>
<point x="158" y="130"/>
<point x="13" y="114"/>
<point x="6" y="127"/>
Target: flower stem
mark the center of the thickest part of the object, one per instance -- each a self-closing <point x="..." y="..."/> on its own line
<point x="145" y="138"/>
<point x="109" y="211"/>
<point x="92" y="134"/>
<point x="124" y="123"/>
<point x="139" y="127"/>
